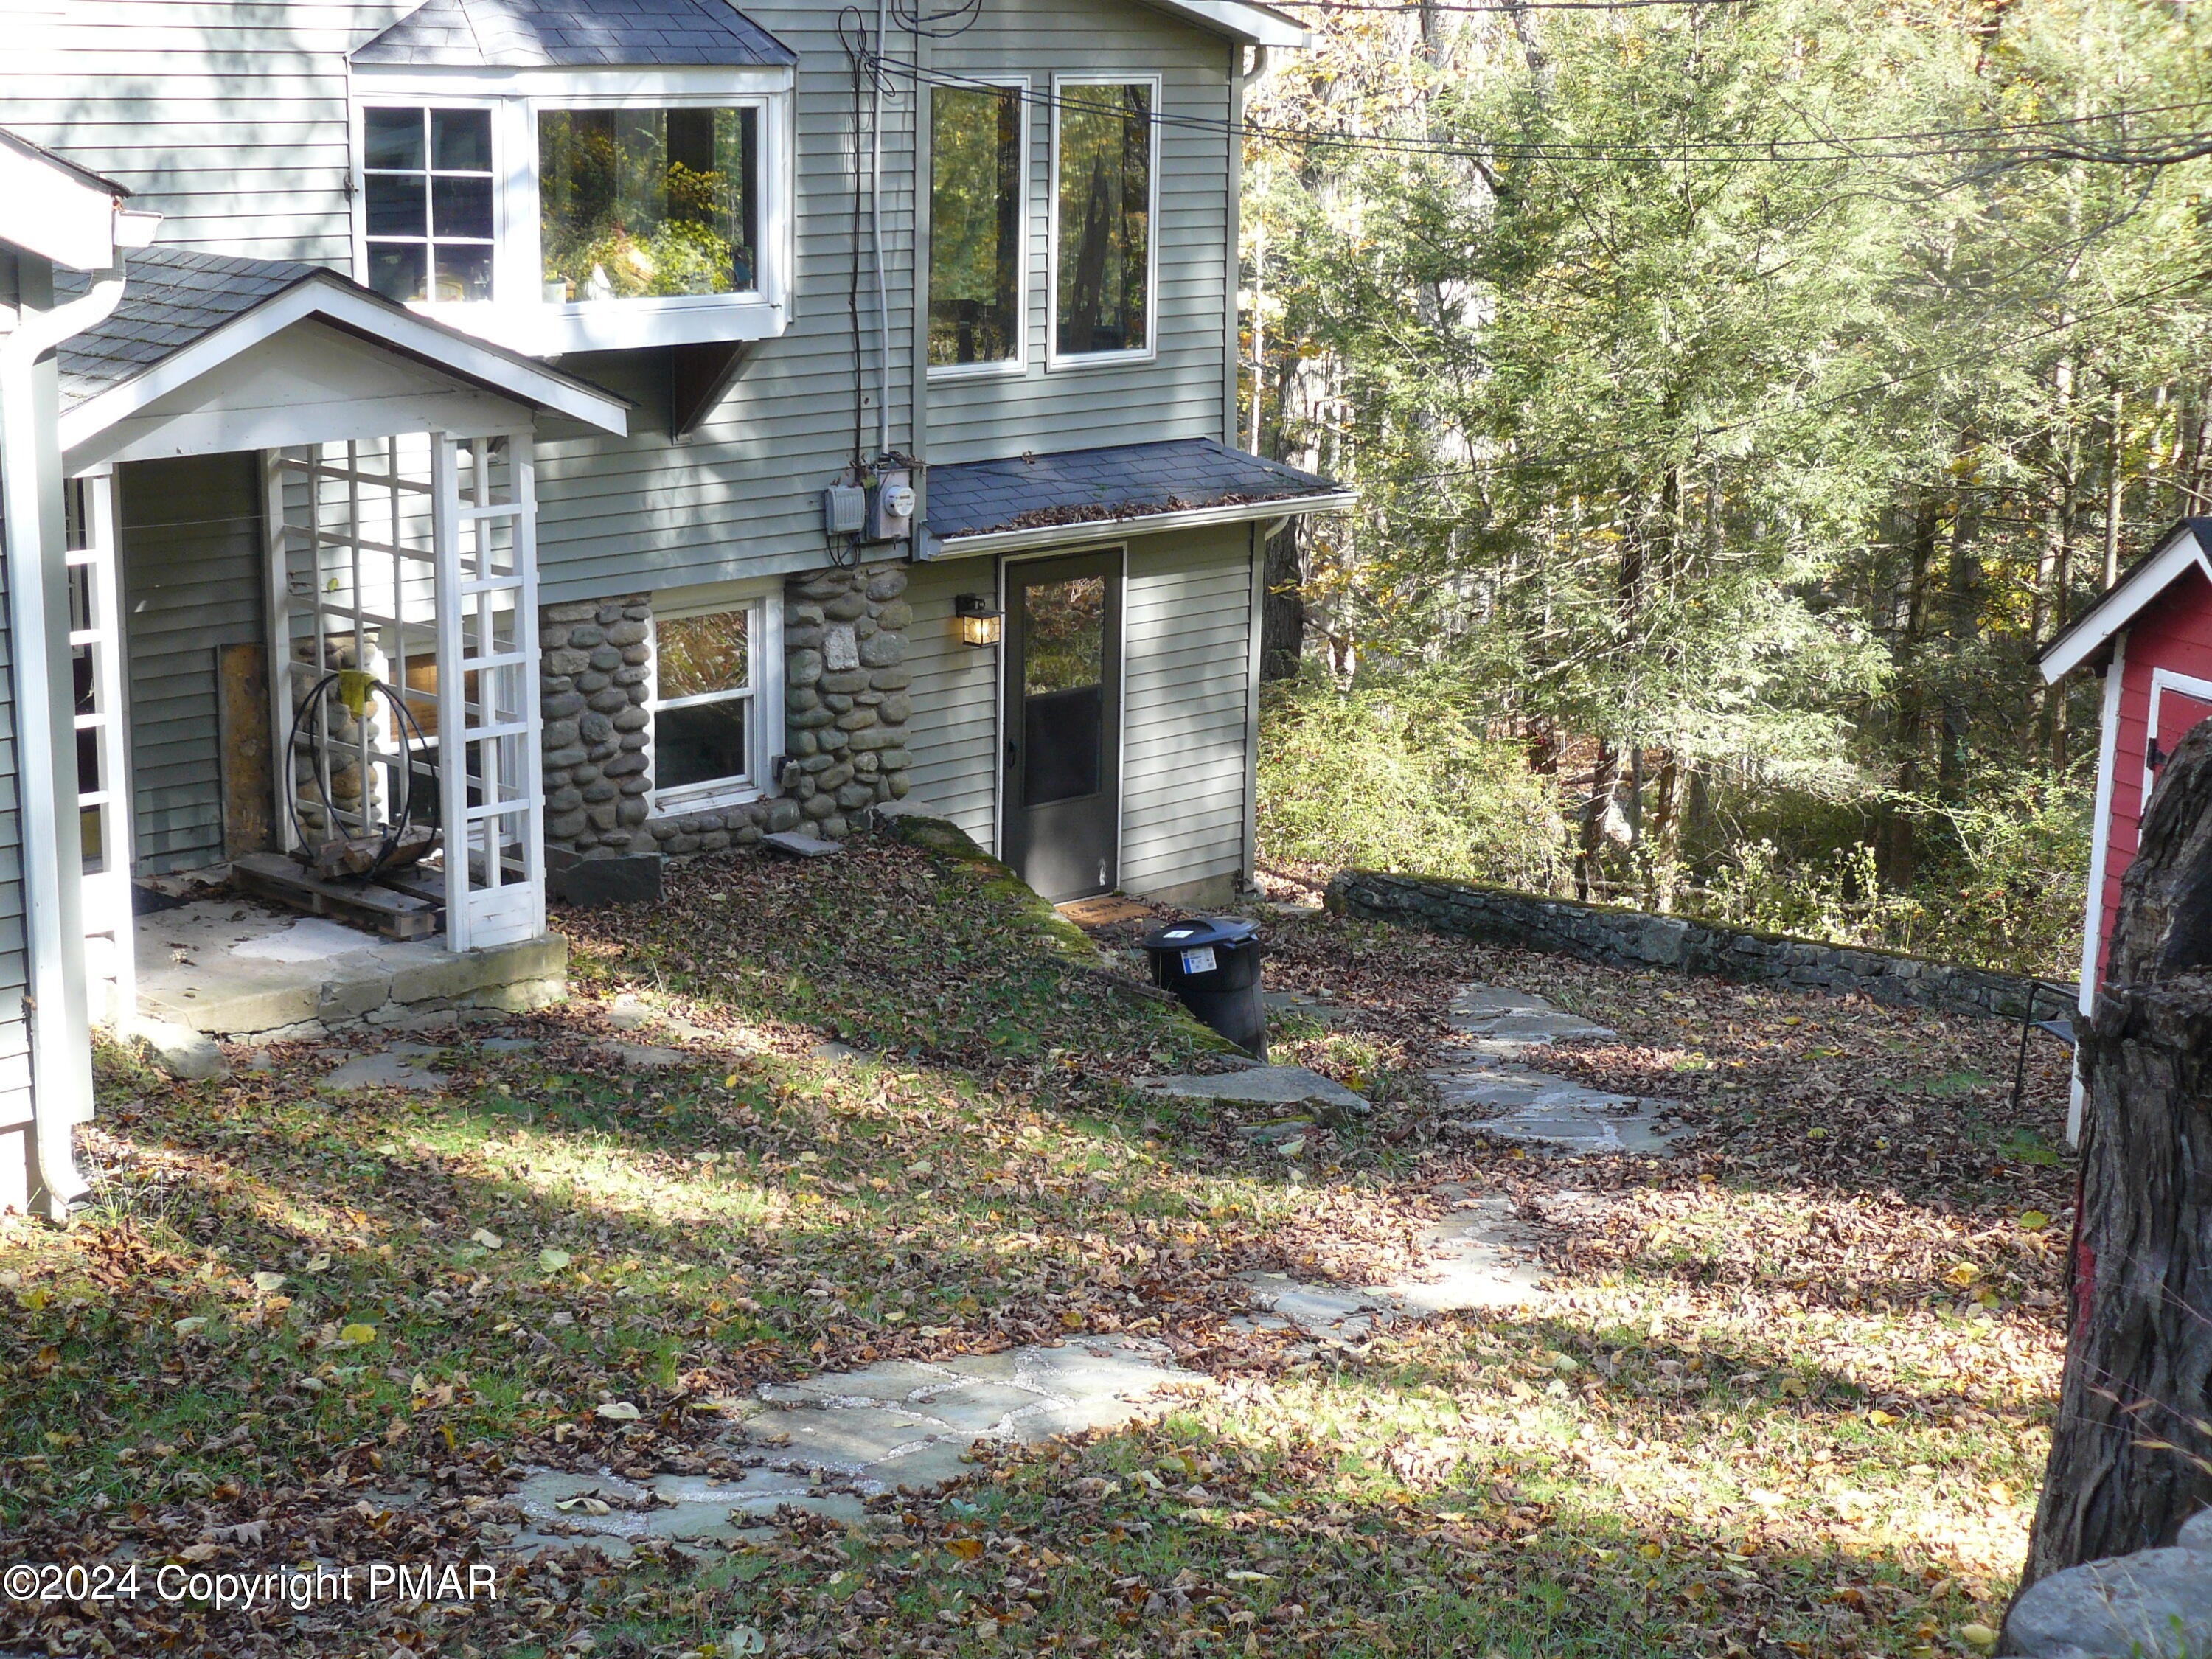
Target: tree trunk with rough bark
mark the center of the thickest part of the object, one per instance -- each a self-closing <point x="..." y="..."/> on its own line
<point x="2131" y="1453"/>
<point x="1283" y="605"/>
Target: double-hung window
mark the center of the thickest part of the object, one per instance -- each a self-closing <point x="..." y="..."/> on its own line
<point x="428" y="209"/>
<point x="718" y="705"/>
<point x="978" y="273"/>
<point x="1105" y="190"/>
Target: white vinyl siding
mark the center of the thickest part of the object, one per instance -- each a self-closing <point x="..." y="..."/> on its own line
<point x="231" y="118"/>
<point x="1187" y="618"/>
<point x="953" y="736"/>
<point x="1186" y="675"/>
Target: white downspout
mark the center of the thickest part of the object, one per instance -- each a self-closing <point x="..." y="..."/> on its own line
<point x="56" y="1008"/>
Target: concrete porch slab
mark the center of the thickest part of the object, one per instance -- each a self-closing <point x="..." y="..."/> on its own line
<point x="235" y="968"/>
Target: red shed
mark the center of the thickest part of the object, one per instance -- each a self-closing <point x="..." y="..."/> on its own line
<point x="2150" y="638"/>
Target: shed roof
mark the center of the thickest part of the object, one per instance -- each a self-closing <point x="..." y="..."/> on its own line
<point x="2186" y="547"/>
<point x="1036" y="494"/>
<point x="577" y="33"/>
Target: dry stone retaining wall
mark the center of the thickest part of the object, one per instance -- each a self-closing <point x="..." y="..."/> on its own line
<point x="1632" y="938"/>
<point x="845" y="705"/>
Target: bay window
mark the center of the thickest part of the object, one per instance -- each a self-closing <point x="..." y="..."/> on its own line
<point x="978" y="274"/>
<point x="717" y="704"/>
<point x="648" y="203"/>
<point x="1104" y="183"/>
<point x="571" y="212"/>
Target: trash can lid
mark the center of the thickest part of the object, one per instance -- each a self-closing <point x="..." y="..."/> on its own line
<point x="1202" y="930"/>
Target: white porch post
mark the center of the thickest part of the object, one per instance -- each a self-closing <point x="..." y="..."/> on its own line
<point x="489" y="766"/>
<point x="45" y="737"/>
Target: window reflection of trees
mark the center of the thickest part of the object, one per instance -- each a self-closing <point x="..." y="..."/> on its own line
<point x="1064" y="636"/>
<point x="975" y="229"/>
<point x="1105" y="213"/>
<point x="699" y="654"/>
<point x="640" y="203"/>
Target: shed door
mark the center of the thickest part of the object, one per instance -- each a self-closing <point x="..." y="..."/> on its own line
<point x="2175" y="711"/>
<point x="1063" y="724"/>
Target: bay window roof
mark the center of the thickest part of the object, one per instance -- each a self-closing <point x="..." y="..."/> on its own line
<point x="575" y="34"/>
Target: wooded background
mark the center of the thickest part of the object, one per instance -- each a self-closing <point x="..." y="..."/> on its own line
<point x="1739" y="394"/>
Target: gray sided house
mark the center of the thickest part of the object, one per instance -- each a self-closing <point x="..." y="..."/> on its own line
<point x="546" y="436"/>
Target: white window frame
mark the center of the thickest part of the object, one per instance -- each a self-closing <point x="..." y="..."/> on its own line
<point x="1054" y="357"/>
<point x="518" y="315"/>
<point x="1018" y="364"/>
<point x="763" y="601"/>
<point x="361" y="240"/>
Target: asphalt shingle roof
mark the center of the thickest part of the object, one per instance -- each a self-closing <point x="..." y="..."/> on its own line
<point x="583" y="33"/>
<point x="1085" y="486"/>
<point x="171" y="299"/>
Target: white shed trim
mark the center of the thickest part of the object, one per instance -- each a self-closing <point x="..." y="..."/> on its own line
<point x="2096" y="626"/>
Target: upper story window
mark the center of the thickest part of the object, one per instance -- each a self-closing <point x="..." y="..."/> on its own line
<point x="1105" y="185"/>
<point x="427" y="190"/>
<point x="557" y="211"/>
<point x="978" y="276"/>
<point x="647" y="204"/>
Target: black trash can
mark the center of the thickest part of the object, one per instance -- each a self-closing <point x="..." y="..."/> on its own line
<point x="1212" y="966"/>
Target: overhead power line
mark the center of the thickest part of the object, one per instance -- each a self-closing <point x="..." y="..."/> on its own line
<point x="2034" y="140"/>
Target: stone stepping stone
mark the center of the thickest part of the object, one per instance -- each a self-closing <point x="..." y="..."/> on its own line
<point x="648" y="1057"/>
<point x="1533" y="1108"/>
<point x="1477" y="1256"/>
<point x="403" y="1066"/>
<point x="1581" y="1130"/>
<point x="827" y="1442"/>
<point x="1519" y="1019"/>
<point x="798" y="844"/>
<point x="1263" y="1086"/>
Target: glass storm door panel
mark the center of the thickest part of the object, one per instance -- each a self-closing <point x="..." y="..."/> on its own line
<point x="1063" y="723"/>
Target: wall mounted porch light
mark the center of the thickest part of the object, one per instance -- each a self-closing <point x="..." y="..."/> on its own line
<point x="978" y="623"/>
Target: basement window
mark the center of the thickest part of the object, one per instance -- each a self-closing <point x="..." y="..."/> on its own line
<point x="718" y="704"/>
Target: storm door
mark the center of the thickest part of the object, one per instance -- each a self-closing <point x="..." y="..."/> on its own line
<point x="1063" y="724"/>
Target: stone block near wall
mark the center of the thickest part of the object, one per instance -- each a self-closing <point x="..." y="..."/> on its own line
<point x="1633" y="939"/>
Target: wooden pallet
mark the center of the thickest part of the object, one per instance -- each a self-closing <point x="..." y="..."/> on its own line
<point x="368" y="905"/>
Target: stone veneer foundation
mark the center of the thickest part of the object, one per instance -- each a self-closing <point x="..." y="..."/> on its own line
<point x="844" y="715"/>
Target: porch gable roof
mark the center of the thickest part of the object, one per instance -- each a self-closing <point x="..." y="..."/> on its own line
<point x="184" y="313"/>
<point x="977" y="507"/>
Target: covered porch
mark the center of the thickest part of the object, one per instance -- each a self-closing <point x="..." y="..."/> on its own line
<point x="302" y="551"/>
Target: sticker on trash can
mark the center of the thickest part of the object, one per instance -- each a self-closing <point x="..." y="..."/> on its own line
<point x="1199" y="961"/>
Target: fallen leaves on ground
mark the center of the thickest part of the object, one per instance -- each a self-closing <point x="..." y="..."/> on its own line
<point x="1789" y="1398"/>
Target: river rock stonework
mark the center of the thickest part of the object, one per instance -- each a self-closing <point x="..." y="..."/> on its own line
<point x="845" y="715"/>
